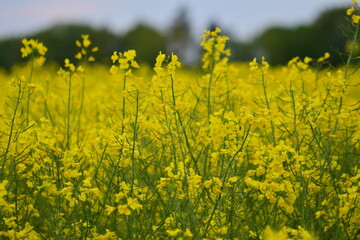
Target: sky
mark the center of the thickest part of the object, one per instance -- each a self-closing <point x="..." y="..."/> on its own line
<point x="243" y="18"/>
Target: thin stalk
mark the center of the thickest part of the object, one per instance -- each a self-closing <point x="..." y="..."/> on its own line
<point x="82" y="96"/>
<point x="268" y="106"/>
<point x="183" y="127"/>
<point x="295" y="120"/>
<point x="11" y="130"/>
<point x="209" y="86"/>
<point x="347" y="67"/>
<point x="123" y="105"/>
<point x="29" y="93"/>
<point x="135" y="129"/>
<point x="224" y="179"/>
<point x="68" y="136"/>
<point x="353" y="46"/>
<point x="173" y="151"/>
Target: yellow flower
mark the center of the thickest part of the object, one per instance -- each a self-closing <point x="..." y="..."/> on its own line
<point x="323" y="58"/>
<point x="78" y="55"/>
<point x="69" y="65"/>
<point x="134" y="204"/>
<point x="252" y="234"/>
<point x="188" y="233"/>
<point x="207" y="183"/>
<point x="233" y="179"/>
<point x="113" y="69"/>
<point x="264" y="64"/>
<point x="307" y="60"/>
<point x="83" y="53"/>
<point x="253" y="65"/>
<point x="222" y="230"/>
<point x="39" y="61"/>
<point x="269" y="234"/>
<point x="350" y="11"/>
<point x="86" y="41"/>
<point x="3" y="190"/>
<point x="34" y="48"/>
<point x="355" y="19"/>
<point x="87" y="182"/>
<point x="318" y="214"/>
<point x="134" y="64"/>
<point x="173" y="233"/>
<point x="78" y="43"/>
<point x="114" y="57"/>
<point x="130" y="54"/>
<point x="159" y="59"/>
<point x="173" y="64"/>
<point x="109" y="209"/>
<point x="123" y="61"/>
<point x="124" y="210"/>
<point x="80" y="69"/>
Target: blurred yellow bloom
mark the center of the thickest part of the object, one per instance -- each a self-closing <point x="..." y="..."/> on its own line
<point x="233" y="179"/>
<point x="253" y="65"/>
<point x="78" y="55"/>
<point x="123" y="210"/>
<point x="109" y="209"/>
<point x="173" y="233"/>
<point x="355" y="18"/>
<point x="134" y="204"/>
<point x="350" y="11"/>
<point x="130" y="54"/>
<point x="86" y="41"/>
<point x="270" y="234"/>
<point x="34" y="48"/>
<point x="323" y="58"/>
<point x="84" y="45"/>
<point x="188" y="233"/>
<point x="307" y="60"/>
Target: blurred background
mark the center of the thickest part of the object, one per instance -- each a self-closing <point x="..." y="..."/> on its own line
<point x="277" y="29"/>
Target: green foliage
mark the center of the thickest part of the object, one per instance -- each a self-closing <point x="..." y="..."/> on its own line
<point x="147" y="42"/>
<point x="280" y="44"/>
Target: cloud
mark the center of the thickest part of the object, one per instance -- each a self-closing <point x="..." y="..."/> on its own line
<point x="46" y="10"/>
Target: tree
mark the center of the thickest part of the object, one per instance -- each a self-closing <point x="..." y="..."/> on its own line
<point x="280" y="44"/>
<point x="146" y="41"/>
<point x="178" y="37"/>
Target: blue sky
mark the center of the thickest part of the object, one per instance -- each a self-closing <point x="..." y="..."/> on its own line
<point x="244" y="18"/>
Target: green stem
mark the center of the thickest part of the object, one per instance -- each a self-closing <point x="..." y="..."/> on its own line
<point x="123" y="105"/>
<point x="11" y="130"/>
<point x="29" y="93"/>
<point x="68" y="135"/>
<point x="268" y="106"/>
<point x="346" y="74"/>
<point x="82" y="96"/>
<point x="224" y="179"/>
<point x="135" y="129"/>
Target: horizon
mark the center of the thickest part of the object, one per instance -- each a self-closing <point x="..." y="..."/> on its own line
<point x="24" y="18"/>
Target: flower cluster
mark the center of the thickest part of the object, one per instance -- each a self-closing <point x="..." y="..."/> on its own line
<point x="70" y="68"/>
<point x="85" y="50"/>
<point x="355" y="18"/>
<point x="35" y="49"/>
<point x="123" y="61"/>
<point x="214" y="46"/>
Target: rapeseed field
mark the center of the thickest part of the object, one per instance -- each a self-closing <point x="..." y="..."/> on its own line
<point x="231" y="151"/>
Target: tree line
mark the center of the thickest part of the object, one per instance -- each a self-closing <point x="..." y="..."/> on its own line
<point x="278" y="44"/>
